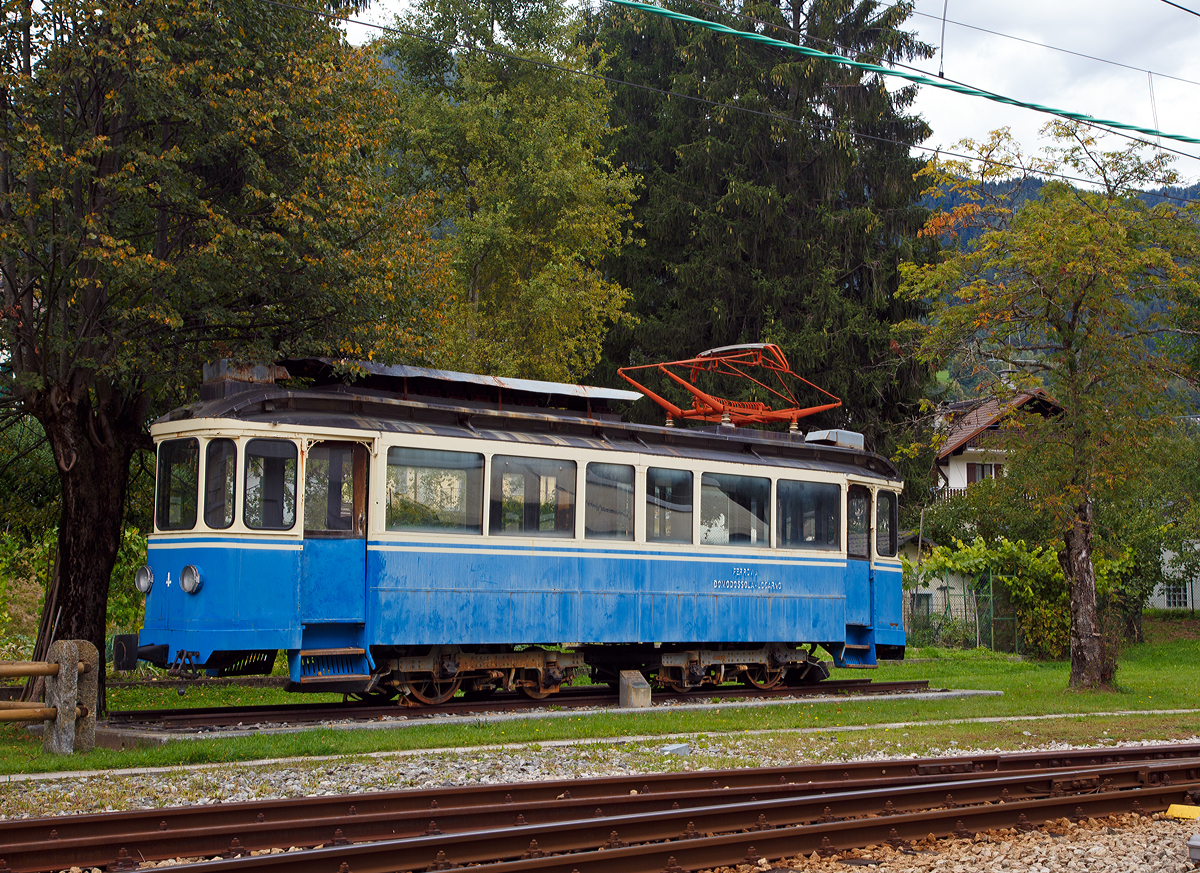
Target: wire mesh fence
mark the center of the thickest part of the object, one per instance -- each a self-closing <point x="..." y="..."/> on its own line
<point x="954" y="612"/>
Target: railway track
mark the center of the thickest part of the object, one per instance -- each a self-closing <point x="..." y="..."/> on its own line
<point x="652" y="823"/>
<point x="582" y="697"/>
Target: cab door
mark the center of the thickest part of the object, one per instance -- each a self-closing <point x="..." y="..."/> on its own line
<point x="334" y="565"/>
<point x="858" y="551"/>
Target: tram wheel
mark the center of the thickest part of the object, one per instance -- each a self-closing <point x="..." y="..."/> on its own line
<point x="431" y="692"/>
<point x="762" y="677"/>
<point x="535" y="693"/>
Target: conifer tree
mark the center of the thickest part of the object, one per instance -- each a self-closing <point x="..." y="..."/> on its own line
<point x="778" y="203"/>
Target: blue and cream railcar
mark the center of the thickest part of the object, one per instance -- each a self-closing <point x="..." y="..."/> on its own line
<point x="421" y="532"/>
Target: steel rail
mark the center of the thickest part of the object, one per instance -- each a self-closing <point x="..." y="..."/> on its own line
<point x="294" y="713"/>
<point x="594" y="790"/>
<point x="707" y="837"/>
<point x="565" y="823"/>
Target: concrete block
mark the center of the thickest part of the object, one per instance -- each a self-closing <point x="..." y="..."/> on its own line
<point x="677" y="749"/>
<point x="1194" y="847"/>
<point x="634" y="690"/>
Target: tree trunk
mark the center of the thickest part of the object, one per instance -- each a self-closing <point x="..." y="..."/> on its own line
<point x="1087" y="650"/>
<point x="93" y="433"/>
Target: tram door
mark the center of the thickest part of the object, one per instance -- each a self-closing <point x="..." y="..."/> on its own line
<point x="858" y="550"/>
<point x="334" y="565"/>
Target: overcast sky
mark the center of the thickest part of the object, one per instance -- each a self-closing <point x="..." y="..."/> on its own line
<point x="1143" y="34"/>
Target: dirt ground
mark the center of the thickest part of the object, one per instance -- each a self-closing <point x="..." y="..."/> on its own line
<point x="1168" y="630"/>
<point x="24" y="600"/>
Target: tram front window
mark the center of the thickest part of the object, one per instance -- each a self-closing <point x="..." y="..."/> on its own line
<point x="335" y="490"/>
<point x="885" y="524"/>
<point x="220" y="469"/>
<point x="178" y="475"/>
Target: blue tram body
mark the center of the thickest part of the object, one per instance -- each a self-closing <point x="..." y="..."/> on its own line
<point x="401" y="541"/>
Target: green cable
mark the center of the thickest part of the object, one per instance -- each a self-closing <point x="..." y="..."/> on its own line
<point x="887" y="71"/>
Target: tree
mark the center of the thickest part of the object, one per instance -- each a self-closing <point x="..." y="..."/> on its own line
<point x="783" y="223"/>
<point x="510" y="140"/>
<point x="181" y="181"/>
<point x="1074" y="291"/>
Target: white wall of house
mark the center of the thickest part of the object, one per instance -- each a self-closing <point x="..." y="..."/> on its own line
<point x="956" y="472"/>
<point x="1180" y="591"/>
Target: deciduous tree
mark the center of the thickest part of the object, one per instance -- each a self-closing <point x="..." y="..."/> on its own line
<point x="1076" y="291"/>
<point x="512" y="143"/>
<point x="182" y="180"/>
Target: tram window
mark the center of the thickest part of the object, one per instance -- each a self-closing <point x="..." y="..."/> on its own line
<point x="434" y="491"/>
<point x="335" y="490"/>
<point x="178" y="477"/>
<point x="668" y="505"/>
<point x="609" y="502"/>
<point x="809" y="515"/>
<point x="735" y="510"/>
<point x="220" y="471"/>
<point x="885" y="524"/>
<point x="270" y="502"/>
<point x="858" y="523"/>
<point x="532" y="497"/>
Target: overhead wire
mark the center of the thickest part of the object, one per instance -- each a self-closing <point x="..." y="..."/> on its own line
<point x="1055" y="48"/>
<point x="891" y="71"/>
<point x="1157" y="144"/>
<point x="935" y="151"/>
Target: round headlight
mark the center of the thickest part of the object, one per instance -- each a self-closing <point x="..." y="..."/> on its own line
<point x="189" y="579"/>
<point x="143" y="579"/>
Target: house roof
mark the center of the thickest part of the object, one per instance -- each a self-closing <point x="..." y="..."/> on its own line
<point x="969" y="418"/>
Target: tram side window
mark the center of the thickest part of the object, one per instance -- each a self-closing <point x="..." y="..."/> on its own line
<point x="178" y="478"/>
<point x="858" y="523"/>
<point x="668" y="505"/>
<point x="335" y="490"/>
<point x="434" y="491"/>
<point x="809" y="515"/>
<point x="270" y="502"/>
<point x="532" y="497"/>
<point x="220" y="471"/>
<point x="609" y="502"/>
<point x="735" y="510"/>
<point x="885" y="524"/>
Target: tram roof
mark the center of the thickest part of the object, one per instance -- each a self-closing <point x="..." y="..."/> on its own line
<point x="359" y="408"/>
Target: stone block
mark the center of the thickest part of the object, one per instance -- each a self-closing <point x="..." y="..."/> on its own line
<point x="634" y="690"/>
<point x="68" y="690"/>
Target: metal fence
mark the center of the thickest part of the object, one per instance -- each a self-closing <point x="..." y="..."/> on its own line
<point x="961" y="613"/>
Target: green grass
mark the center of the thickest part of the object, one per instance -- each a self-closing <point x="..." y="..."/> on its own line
<point x="1161" y="674"/>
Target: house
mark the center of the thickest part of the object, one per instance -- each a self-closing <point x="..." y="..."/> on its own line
<point x="974" y="448"/>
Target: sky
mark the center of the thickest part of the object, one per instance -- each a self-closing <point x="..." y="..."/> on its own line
<point x="1146" y="35"/>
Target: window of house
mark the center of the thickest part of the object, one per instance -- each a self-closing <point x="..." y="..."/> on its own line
<point x="1177" y="595"/>
<point x="532" y="497"/>
<point x="270" y="502"/>
<point x="885" y="524"/>
<point x="921" y="603"/>
<point x="609" y="502"/>
<point x="177" y="481"/>
<point x="735" y="510"/>
<point x="220" y="472"/>
<point x="979" y="472"/>
<point x="433" y="491"/>
<point x="809" y="515"/>
<point x="668" y="505"/>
